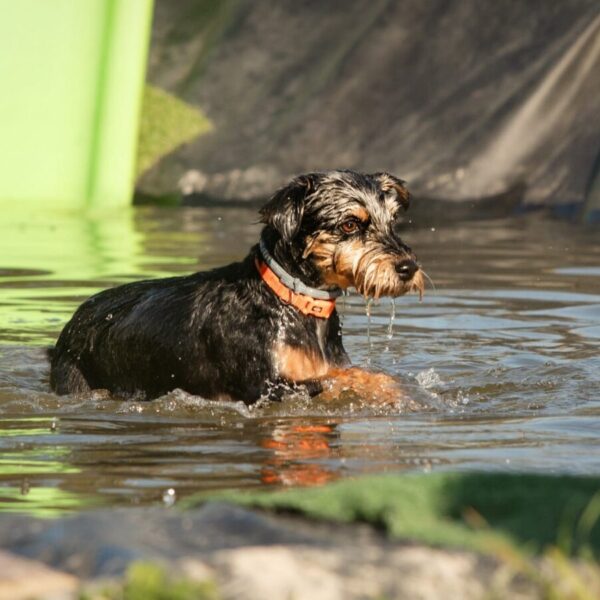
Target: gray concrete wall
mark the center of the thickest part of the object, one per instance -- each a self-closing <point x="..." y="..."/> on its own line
<point x="464" y="99"/>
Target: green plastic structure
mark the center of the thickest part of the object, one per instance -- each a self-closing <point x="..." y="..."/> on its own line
<point x="72" y="74"/>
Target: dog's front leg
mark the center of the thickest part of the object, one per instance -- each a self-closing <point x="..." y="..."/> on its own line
<point x="376" y="388"/>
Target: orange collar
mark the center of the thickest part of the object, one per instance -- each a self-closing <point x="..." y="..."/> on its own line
<point x="307" y="305"/>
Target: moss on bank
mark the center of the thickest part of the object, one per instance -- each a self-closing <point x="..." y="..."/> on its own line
<point x="475" y="511"/>
<point x="166" y="123"/>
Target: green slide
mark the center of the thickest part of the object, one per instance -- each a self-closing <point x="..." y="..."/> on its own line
<point x="72" y="74"/>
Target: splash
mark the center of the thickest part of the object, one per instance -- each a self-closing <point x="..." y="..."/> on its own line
<point x="428" y="379"/>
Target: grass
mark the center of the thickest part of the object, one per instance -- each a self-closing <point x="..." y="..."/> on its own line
<point x="148" y="581"/>
<point x="552" y="576"/>
<point x="166" y="123"/>
<point x="475" y="511"/>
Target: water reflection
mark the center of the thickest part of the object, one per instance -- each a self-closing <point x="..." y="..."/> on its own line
<point x="503" y="363"/>
<point x="51" y="261"/>
<point x="298" y="451"/>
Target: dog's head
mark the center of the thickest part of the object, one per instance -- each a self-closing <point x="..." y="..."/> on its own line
<point x="343" y="222"/>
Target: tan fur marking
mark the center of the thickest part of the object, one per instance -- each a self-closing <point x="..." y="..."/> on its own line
<point x="323" y="250"/>
<point x="335" y="261"/>
<point x="361" y="214"/>
<point x="320" y="246"/>
<point x="297" y="364"/>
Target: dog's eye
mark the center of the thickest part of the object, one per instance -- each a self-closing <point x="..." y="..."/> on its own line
<point x="350" y="226"/>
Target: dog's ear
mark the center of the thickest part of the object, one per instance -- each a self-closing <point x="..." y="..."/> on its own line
<point x="389" y="182"/>
<point x="285" y="209"/>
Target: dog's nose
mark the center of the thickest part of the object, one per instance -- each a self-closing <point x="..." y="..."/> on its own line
<point x="406" y="269"/>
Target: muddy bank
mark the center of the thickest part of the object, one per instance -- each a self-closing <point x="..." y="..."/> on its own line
<point x="464" y="99"/>
<point x="248" y="555"/>
<point x="430" y="536"/>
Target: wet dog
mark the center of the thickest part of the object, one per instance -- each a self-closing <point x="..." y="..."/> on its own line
<point x="255" y="328"/>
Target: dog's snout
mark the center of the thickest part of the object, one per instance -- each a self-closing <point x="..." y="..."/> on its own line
<point x="406" y="269"/>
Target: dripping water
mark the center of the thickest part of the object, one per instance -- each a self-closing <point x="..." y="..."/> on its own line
<point x="368" y="305"/>
<point x="390" y="329"/>
<point x="342" y="311"/>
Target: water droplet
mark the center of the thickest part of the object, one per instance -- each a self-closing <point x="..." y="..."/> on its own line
<point x="390" y="331"/>
<point x="169" y="497"/>
<point x="109" y="316"/>
<point x="53" y="424"/>
<point x="433" y="229"/>
<point x="24" y="487"/>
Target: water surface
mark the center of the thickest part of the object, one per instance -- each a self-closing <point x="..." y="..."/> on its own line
<point x="502" y="363"/>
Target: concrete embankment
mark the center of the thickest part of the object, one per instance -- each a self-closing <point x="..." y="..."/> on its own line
<point x="463" y="99"/>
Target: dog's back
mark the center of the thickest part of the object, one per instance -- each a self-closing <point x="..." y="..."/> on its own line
<point x="154" y="336"/>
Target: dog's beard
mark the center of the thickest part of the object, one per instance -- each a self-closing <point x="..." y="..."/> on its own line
<point x="375" y="276"/>
<point x="371" y="272"/>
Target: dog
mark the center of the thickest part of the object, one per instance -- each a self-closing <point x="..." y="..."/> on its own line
<point x="256" y="328"/>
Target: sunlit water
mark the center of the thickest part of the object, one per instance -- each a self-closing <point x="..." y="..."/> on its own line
<point x="502" y="363"/>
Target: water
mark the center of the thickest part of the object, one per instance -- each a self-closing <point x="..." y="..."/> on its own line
<point x="501" y="363"/>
